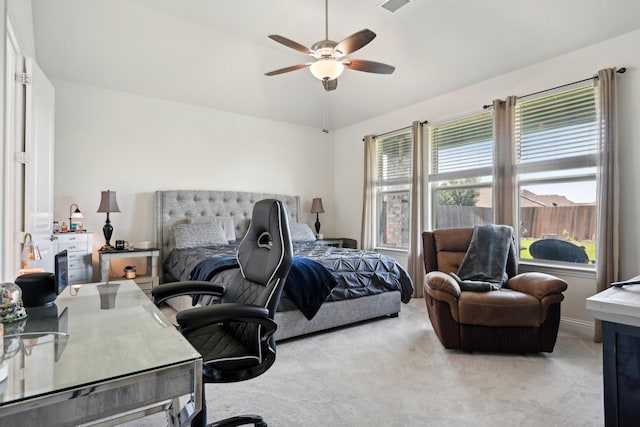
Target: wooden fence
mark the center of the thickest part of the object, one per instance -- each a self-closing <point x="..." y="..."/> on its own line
<point x="564" y="222"/>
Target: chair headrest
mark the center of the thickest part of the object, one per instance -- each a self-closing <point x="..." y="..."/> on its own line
<point x="266" y="252"/>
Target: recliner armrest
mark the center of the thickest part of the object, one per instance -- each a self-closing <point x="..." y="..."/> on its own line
<point x="190" y="287"/>
<point x="538" y="285"/>
<point x="442" y="282"/>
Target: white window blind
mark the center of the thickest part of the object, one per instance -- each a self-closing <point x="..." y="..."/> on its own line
<point x="560" y="129"/>
<point x="462" y="145"/>
<point x="394" y="159"/>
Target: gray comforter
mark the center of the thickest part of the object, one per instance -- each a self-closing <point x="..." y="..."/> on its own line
<point x="359" y="273"/>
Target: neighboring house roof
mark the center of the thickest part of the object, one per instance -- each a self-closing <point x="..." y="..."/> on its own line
<point x="528" y="199"/>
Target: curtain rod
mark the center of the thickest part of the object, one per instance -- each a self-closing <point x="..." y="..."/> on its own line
<point x="397" y="130"/>
<point x="620" y="71"/>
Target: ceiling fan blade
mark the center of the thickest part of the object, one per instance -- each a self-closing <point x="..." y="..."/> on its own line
<point x="290" y="43"/>
<point x="369" y="66"/>
<point x="330" y="85"/>
<point x="355" y="41"/>
<point x="287" y="69"/>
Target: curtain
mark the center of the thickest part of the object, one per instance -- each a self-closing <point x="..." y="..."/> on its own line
<point x="607" y="252"/>
<point x="367" y="235"/>
<point x="504" y="208"/>
<point x="416" y="261"/>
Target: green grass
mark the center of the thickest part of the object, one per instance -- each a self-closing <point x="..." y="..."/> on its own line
<point x="589" y="247"/>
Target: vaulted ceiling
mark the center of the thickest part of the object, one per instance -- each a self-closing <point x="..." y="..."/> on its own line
<point x="214" y="53"/>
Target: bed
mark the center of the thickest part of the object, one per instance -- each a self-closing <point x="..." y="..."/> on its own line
<point x="367" y="284"/>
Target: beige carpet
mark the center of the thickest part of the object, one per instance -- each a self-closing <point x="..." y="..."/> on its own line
<point x="394" y="372"/>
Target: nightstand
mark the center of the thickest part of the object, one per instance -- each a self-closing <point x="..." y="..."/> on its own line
<point x="339" y="242"/>
<point x="330" y="242"/>
<point x="146" y="281"/>
<point x="79" y="247"/>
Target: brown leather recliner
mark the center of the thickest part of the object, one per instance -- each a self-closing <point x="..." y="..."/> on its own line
<point x="522" y="317"/>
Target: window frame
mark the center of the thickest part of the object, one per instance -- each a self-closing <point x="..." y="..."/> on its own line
<point x="436" y="179"/>
<point x="580" y="166"/>
<point x="392" y="186"/>
<point x="576" y="166"/>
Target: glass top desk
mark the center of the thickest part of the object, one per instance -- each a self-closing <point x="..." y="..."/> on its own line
<point x="101" y="350"/>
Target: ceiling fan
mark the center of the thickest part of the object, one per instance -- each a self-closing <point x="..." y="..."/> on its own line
<point x="331" y="57"/>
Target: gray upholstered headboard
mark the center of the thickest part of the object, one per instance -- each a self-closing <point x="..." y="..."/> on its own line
<point x="178" y="206"/>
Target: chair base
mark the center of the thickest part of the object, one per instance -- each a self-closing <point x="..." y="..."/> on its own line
<point x="455" y="336"/>
<point x="240" y="420"/>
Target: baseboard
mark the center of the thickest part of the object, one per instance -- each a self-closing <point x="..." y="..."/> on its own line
<point x="577" y="327"/>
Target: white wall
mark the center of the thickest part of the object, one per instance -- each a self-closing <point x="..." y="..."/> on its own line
<point x="21" y="16"/>
<point x="621" y="51"/>
<point x="135" y="145"/>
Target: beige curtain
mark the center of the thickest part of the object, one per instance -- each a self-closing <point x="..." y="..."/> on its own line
<point x="367" y="236"/>
<point x="607" y="252"/>
<point x="416" y="261"/>
<point x="504" y="208"/>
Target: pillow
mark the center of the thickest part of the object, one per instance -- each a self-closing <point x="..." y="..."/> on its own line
<point x="301" y="232"/>
<point x="196" y="235"/>
<point x="225" y="221"/>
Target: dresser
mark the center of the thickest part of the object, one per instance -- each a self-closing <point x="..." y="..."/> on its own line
<point x="79" y="249"/>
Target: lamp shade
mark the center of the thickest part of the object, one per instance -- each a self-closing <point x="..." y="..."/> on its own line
<point x="108" y="202"/>
<point x="30" y="251"/>
<point x="75" y="214"/>
<point x="327" y="69"/>
<point x="316" y="205"/>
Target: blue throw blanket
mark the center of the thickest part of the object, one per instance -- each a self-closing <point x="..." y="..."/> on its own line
<point x="484" y="265"/>
<point x="308" y="283"/>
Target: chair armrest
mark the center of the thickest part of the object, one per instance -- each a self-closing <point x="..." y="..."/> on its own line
<point x="440" y="281"/>
<point x="198" y="317"/>
<point x="190" y="287"/>
<point x="538" y="285"/>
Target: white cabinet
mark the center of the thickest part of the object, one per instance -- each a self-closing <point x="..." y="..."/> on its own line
<point x="79" y="247"/>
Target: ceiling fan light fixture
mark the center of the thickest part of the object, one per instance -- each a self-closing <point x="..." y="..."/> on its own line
<point x="327" y="69"/>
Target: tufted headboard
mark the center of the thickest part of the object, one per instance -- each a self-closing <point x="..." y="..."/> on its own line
<point x="178" y="206"/>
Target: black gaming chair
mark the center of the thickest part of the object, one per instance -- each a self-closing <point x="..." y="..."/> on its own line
<point x="235" y="337"/>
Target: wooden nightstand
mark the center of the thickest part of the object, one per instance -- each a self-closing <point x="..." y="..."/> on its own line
<point x="146" y="281"/>
<point x="339" y="242"/>
<point x="330" y="242"/>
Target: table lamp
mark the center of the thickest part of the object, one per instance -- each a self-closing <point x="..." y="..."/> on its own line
<point x="74" y="214"/>
<point x="30" y="251"/>
<point x="316" y="208"/>
<point x="108" y="204"/>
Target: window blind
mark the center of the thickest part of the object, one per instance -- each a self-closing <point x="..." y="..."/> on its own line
<point x="557" y="126"/>
<point x="394" y="159"/>
<point x="462" y="144"/>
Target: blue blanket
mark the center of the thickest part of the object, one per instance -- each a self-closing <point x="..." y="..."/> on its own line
<point x="308" y="283"/>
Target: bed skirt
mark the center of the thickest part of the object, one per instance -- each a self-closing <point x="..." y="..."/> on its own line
<point x="332" y="314"/>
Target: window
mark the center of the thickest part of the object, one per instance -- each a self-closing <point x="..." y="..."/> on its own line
<point x="393" y="190"/>
<point x="556" y="155"/>
<point x="460" y="171"/>
<point x="555" y="159"/>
